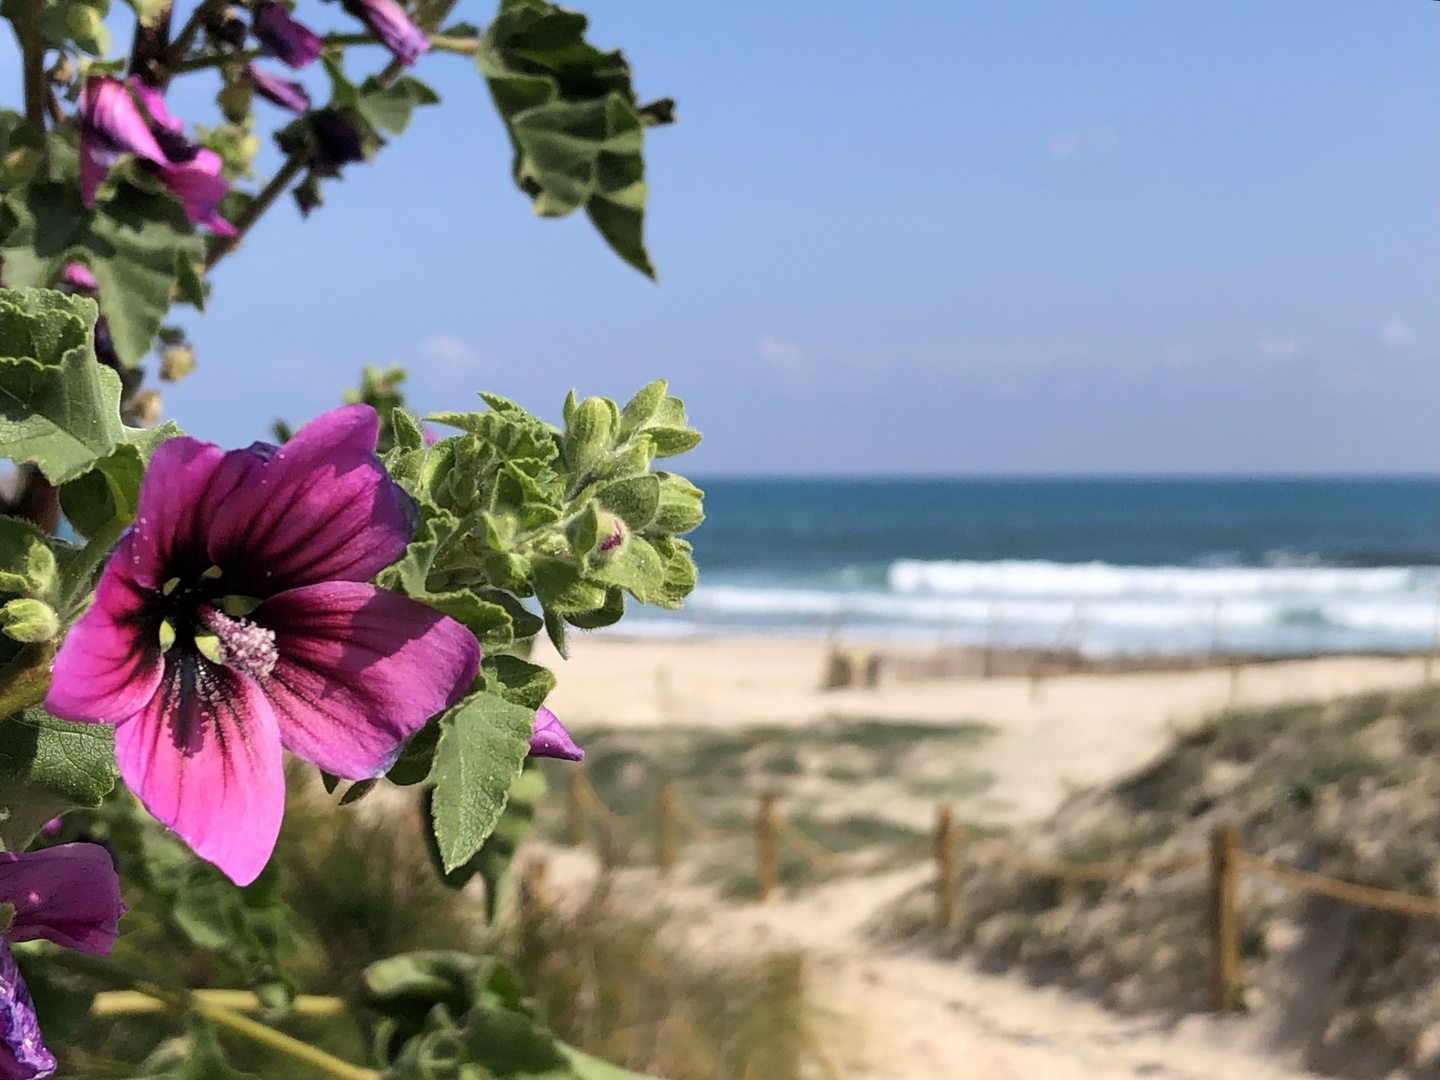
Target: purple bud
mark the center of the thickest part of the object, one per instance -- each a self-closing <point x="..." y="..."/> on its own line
<point x="278" y="91"/>
<point x="387" y="21"/>
<point x="290" y="42"/>
<point x="548" y="738"/>
<point x="78" y="277"/>
<point x="615" y="539"/>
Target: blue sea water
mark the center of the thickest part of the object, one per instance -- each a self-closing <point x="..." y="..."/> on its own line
<point x="1104" y="565"/>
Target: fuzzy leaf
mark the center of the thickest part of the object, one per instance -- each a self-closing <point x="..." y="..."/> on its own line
<point x="48" y="766"/>
<point x="574" y="121"/>
<point x="483" y="744"/>
<point x="58" y="409"/>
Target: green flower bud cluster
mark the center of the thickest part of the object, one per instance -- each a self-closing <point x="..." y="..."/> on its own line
<point x="572" y="519"/>
<point x="29" y="584"/>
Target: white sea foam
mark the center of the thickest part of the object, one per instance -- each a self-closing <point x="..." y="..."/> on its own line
<point x="1102" y="607"/>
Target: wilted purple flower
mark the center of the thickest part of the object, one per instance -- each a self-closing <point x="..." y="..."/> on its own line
<point x="235" y="618"/>
<point x="387" y="21"/>
<point x="112" y="124"/>
<point x="70" y="895"/>
<point x="548" y="738"/>
<point x="337" y="142"/>
<point x="290" y="42"/>
<point x="277" y="91"/>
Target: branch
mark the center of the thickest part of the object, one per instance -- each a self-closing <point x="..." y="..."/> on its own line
<point x="186" y="1001"/>
<point x="188" y="33"/>
<point x="32" y="52"/>
<point x="272" y="191"/>
<point x="24" y="680"/>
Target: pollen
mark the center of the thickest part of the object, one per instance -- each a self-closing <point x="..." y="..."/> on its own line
<point x="244" y="645"/>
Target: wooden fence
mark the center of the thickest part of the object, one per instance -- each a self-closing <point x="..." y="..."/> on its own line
<point x="952" y="845"/>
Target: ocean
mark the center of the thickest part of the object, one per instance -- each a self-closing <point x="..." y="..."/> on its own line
<point x="1106" y="566"/>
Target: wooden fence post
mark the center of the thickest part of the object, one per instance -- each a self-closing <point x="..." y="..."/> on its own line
<point x="578" y="826"/>
<point x="665" y="827"/>
<point x="946" y="883"/>
<point x="1224" y="921"/>
<point x="767" y="866"/>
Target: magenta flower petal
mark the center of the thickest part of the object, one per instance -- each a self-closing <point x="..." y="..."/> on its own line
<point x="283" y="92"/>
<point x="387" y="21"/>
<point x="199" y="187"/>
<point x="107" y="668"/>
<point x="153" y="102"/>
<point x="22" y="1053"/>
<point x="111" y="124"/>
<point x="204" y="757"/>
<point x="360" y="670"/>
<point x="185" y="484"/>
<point x="292" y="43"/>
<point x="69" y="894"/>
<point x="548" y="738"/>
<point x="321" y="509"/>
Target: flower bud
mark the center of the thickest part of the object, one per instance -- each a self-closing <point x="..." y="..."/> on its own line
<point x="29" y="620"/>
<point x="176" y="362"/>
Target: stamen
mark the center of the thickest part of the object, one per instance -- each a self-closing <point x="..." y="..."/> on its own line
<point x="167" y="635"/>
<point x="212" y="574"/>
<point x="243" y="645"/>
<point x="210" y="648"/>
<point x="238" y="605"/>
<point x="170" y="586"/>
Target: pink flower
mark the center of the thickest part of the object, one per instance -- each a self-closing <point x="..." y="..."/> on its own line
<point x="70" y="895"/>
<point x="548" y="738"/>
<point x="112" y="124"/>
<point x="234" y="618"/>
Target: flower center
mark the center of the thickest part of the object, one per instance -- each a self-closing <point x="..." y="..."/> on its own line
<point x="237" y="643"/>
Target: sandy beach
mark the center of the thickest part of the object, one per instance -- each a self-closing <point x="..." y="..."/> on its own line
<point x="901" y="1012"/>
<point x="1059" y="732"/>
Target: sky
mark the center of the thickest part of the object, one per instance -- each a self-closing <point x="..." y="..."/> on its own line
<point x="959" y="237"/>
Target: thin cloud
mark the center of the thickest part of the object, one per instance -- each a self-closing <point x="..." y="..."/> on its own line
<point x="448" y="349"/>
<point x="1277" y="347"/>
<point x="1396" y="333"/>
<point x="782" y="354"/>
<point x="1073" y="145"/>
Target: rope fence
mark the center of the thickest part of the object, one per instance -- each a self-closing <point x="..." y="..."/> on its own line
<point x="951" y="843"/>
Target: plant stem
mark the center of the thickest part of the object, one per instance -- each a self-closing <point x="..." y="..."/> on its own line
<point x="186" y="1001"/>
<point x="222" y="246"/>
<point x="188" y="33"/>
<point x="24" y="680"/>
<point x="32" y="52"/>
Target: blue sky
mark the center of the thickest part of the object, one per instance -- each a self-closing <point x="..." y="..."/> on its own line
<point x="963" y="237"/>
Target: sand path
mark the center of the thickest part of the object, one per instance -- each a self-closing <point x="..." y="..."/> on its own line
<point x="903" y="1014"/>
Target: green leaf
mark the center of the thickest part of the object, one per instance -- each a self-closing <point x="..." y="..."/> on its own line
<point x="670" y="441"/>
<point x="483" y="744"/>
<point x="517" y="681"/>
<point x="27" y="565"/>
<point x="635" y="566"/>
<point x="132" y="242"/>
<point x="58" y="407"/>
<point x="636" y="499"/>
<point x="641" y="408"/>
<point x="196" y="1055"/>
<point x="608" y="615"/>
<point x="681" y="508"/>
<point x="574" y="121"/>
<point x="48" y="766"/>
